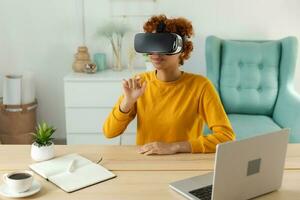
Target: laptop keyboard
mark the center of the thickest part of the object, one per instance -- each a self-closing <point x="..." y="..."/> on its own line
<point x="203" y="193"/>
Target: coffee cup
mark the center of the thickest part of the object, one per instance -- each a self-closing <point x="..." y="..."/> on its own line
<point x="18" y="182"/>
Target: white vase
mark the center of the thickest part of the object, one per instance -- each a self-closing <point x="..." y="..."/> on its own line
<point x="41" y="153"/>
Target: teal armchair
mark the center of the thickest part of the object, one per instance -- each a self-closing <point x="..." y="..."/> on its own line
<point x="255" y="82"/>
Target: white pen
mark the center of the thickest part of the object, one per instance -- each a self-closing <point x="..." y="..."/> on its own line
<point x="71" y="167"/>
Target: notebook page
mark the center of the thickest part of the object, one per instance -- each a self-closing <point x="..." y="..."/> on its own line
<point x="81" y="177"/>
<point x="58" y="165"/>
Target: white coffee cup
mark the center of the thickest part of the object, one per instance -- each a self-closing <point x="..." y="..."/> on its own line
<point x="19" y="181"/>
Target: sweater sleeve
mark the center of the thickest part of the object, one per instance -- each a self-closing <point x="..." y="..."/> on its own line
<point x="117" y="121"/>
<point x="213" y="113"/>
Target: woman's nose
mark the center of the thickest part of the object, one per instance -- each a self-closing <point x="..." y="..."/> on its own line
<point x="156" y="55"/>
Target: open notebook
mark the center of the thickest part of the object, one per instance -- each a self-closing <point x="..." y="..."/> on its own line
<point x="85" y="172"/>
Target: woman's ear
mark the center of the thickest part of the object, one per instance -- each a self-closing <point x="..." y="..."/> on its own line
<point x="181" y="58"/>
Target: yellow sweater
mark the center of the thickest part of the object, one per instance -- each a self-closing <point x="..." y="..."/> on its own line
<point x="173" y="112"/>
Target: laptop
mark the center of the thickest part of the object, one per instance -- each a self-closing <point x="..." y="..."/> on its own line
<point x="244" y="169"/>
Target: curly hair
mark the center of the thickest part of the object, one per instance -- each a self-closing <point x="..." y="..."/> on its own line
<point x="180" y="25"/>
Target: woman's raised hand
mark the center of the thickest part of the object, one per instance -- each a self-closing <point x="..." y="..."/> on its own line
<point x="133" y="88"/>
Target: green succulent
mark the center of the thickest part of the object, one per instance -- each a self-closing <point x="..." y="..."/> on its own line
<point x="43" y="134"/>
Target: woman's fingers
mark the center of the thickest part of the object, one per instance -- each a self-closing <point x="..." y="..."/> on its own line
<point x="144" y="86"/>
<point x="125" y="83"/>
<point x="138" y="81"/>
<point x="145" y="148"/>
<point x="142" y="150"/>
<point x="148" y="146"/>
<point x="130" y="83"/>
<point x="134" y="83"/>
<point x="151" y="152"/>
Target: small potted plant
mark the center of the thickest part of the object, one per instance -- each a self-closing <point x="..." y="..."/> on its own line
<point x="43" y="147"/>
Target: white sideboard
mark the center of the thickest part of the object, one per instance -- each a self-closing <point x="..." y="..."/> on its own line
<point x="89" y="98"/>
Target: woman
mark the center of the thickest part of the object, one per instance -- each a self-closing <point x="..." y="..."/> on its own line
<point x="172" y="106"/>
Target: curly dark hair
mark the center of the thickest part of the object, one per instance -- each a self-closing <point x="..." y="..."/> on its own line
<point x="180" y="25"/>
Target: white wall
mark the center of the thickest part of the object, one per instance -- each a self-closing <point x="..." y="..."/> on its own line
<point x="42" y="36"/>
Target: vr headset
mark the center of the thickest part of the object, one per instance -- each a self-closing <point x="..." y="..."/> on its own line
<point x="159" y="42"/>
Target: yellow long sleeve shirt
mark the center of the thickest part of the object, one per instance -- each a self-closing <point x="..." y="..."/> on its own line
<point x="173" y="112"/>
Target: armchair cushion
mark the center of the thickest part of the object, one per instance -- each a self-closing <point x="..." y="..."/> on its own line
<point x="245" y="126"/>
<point x="249" y="76"/>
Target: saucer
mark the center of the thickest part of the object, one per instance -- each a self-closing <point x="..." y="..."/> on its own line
<point x="36" y="187"/>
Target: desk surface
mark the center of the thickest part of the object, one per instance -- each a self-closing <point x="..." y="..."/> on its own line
<point x="120" y="158"/>
<point x="140" y="175"/>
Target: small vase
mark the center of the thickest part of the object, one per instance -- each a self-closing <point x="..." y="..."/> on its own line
<point x="117" y="62"/>
<point x="82" y="57"/>
<point x="100" y="60"/>
<point x="41" y="153"/>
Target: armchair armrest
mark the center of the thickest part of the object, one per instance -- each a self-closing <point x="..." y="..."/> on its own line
<point x="287" y="113"/>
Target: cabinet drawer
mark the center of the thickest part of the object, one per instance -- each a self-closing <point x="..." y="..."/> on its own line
<point x="91" y="138"/>
<point x="92" y="94"/>
<point x="90" y="120"/>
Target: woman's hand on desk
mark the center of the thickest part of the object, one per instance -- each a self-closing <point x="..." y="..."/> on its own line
<point x="163" y="148"/>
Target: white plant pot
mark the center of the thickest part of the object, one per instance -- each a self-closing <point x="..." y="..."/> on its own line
<point x="42" y="153"/>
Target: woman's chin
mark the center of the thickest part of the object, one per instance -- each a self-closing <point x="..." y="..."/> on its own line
<point x="158" y="66"/>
